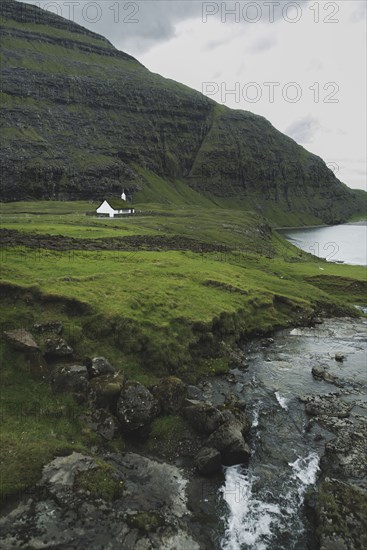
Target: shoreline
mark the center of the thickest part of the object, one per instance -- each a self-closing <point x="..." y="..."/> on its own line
<point x="295" y="228"/>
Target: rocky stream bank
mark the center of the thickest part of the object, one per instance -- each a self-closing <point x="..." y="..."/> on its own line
<point x="270" y="455"/>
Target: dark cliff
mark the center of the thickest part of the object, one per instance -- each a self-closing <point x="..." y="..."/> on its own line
<point x="82" y="120"/>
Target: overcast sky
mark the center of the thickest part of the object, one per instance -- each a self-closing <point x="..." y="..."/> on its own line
<point x="300" y="64"/>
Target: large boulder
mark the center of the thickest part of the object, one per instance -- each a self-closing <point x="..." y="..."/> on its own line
<point x="104" y="391"/>
<point x="228" y="440"/>
<point x="22" y="340"/>
<point x="71" y="378"/>
<point x="208" y="461"/>
<point x="100" y="366"/>
<point x="136" y="407"/>
<point x="170" y="394"/>
<point x="239" y="418"/>
<point x="203" y="417"/>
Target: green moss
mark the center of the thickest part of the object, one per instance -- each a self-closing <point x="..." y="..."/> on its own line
<point x="168" y="428"/>
<point x="101" y="482"/>
<point x="146" y="522"/>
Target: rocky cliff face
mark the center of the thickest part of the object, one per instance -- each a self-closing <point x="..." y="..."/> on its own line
<point x="82" y="120"/>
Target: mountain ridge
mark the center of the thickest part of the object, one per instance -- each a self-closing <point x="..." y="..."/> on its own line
<point x="82" y="120"/>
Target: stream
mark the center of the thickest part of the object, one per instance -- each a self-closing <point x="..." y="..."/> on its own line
<point x="262" y="505"/>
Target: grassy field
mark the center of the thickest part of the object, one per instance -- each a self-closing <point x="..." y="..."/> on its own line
<point x="151" y="312"/>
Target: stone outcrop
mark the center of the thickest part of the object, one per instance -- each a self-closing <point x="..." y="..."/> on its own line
<point x="147" y="510"/>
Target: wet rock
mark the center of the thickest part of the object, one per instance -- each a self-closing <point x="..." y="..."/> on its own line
<point x="56" y="347"/>
<point x="208" y="461"/>
<point x="21" y="340"/>
<point x="339" y="356"/>
<point x="102" y="423"/>
<point x="237" y="359"/>
<point x="204" y="418"/>
<point x="193" y="392"/>
<point x="70" y="378"/>
<point x="317" y="321"/>
<point x="322" y="373"/>
<point x="100" y="366"/>
<point x="170" y="394"/>
<point x="104" y="391"/>
<point x="345" y="455"/>
<point x="136" y="407"/>
<point x="327" y="405"/>
<point x="228" y="439"/>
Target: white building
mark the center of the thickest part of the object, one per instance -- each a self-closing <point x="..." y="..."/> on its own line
<point x="115" y="207"/>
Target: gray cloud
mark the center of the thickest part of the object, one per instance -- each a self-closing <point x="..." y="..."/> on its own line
<point x="304" y="129"/>
<point x="263" y="44"/>
<point x="137" y="25"/>
<point x="359" y="14"/>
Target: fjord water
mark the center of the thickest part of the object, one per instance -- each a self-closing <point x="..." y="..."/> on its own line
<point x="263" y="504"/>
<point x="338" y="243"/>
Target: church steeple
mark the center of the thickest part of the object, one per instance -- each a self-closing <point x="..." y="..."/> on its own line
<point x="123" y="196"/>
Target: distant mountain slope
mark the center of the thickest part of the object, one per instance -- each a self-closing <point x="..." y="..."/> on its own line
<point x="82" y="120"/>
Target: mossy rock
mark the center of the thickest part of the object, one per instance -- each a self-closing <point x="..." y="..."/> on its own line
<point x="105" y="390"/>
<point x="146" y="521"/>
<point x="102" y="482"/>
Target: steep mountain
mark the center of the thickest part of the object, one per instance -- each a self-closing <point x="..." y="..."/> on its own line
<point x="82" y="120"/>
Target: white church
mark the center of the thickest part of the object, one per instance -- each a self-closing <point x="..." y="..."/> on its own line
<point x="115" y="207"/>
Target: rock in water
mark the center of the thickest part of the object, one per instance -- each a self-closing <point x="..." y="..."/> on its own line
<point x="136" y="407"/>
<point x="22" y="340"/>
<point x="228" y="439"/>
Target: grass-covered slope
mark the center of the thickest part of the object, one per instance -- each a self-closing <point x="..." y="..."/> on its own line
<point x="167" y="291"/>
<point x="82" y="120"/>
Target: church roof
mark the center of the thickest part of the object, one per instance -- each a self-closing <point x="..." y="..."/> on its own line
<point x="118" y="204"/>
